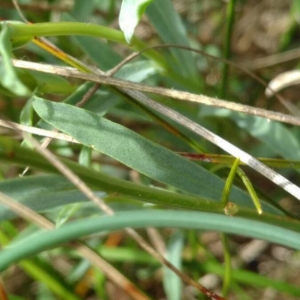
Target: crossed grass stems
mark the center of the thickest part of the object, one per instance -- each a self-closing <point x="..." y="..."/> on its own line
<point x="83" y="249"/>
<point x="36" y="218"/>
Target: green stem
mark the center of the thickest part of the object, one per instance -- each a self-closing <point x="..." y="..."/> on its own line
<point x="11" y="152"/>
<point x="228" y="268"/>
<point x="250" y="189"/>
<point x="247" y="278"/>
<point x="229" y="182"/>
<point x="227" y="49"/>
<point x="40" y="274"/>
<point x="229" y="160"/>
<point x="20" y="31"/>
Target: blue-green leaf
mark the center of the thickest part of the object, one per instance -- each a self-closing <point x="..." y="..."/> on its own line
<point x="83" y="9"/>
<point x="273" y="134"/>
<point x="140" y="219"/>
<point x="134" y="150"/>
<point x="171" y="30"/>
<point x="137" y="71"/>
<point x="40" y="193"/>
<point x="172" y="283"/>
<point x="101" y="52"/>
<point x="66" y="213"/>
<point x="9" y="78"/>
<point x="49" y="83"/>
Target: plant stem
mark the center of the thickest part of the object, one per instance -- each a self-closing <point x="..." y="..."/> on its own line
<point x="20" y="31"/>
<point x="227" y="49"/>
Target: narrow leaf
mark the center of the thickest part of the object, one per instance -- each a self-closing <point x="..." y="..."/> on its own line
<point x="251" y="190"/>
<point x="276" y="136"/>
<point x="12" y="152"/>
<point x="44" y="240"/>
<point x="83" y="9"/>
<point x="172" y="283"/>
<point x="171" y="30"/>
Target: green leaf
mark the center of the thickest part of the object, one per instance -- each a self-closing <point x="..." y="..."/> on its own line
<point x="99" y="51"/>
<point x="99" y="103"/>
<point x="121" y="190"/>
<point x="15" y="42"/>
<point x="85" y="156"/>
<point x="83" y="9"/>
<point x="273" y="134"/>
<point x="26" y="116"/>
<point x="40" y="193"/>
<point x="133" y="150"/>
<point x="137" y="71"/>
<point x="9" y="78"/>
<point x="171" y="30"/>
<point x="172" y="283"/>
<point x="130" y="15"/>
<point x="247" y="278"/>
<point x="66" y="213"/>
<point x="44" y="240"/>
<point x="46" y="273"/>
<point x="49" y="83"/>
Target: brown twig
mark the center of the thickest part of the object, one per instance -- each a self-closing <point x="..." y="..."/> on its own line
<point x="132" y="89"/>
<point x="179" y="95"/>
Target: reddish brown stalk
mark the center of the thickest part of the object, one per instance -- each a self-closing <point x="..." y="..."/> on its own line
<point x="197" y="156"/>
<point x="3" y="295"/>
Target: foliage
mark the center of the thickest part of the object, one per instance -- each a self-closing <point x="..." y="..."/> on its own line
<point x="149" y="169"/>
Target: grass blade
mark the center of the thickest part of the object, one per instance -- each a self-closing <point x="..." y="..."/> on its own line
<point x="141" y="219"/>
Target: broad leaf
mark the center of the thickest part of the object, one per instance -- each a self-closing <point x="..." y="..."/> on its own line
<point x="130" y="15"/>
<point x="134" y="151"/>
<point x="9" y="78"/>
